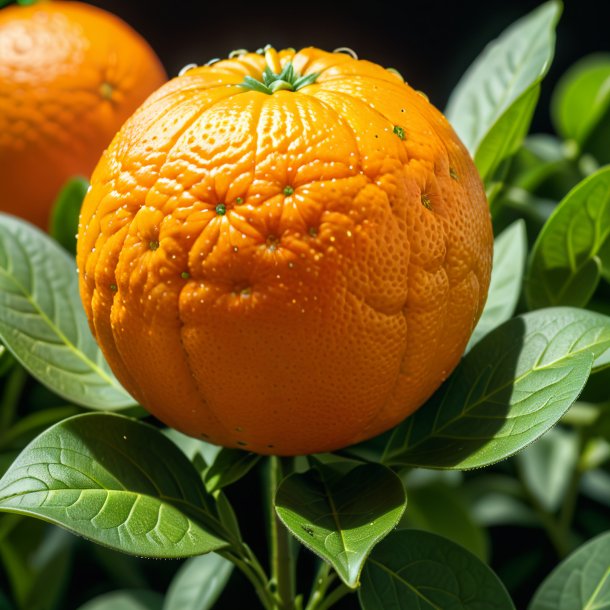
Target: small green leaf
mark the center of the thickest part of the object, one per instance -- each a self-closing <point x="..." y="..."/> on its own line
<point x="513" y="386"/>
<point x="229" y="466"/>
<point x="341" y="512"/>
<point x="510" y="251"/>
<point x="573" y="249"/>
<point x="118" y="482"/>
<point x="126" y="600"/>
<point x="547" y="466"/>
<point x="503" y="74"/>
<point x="42" y="321"/>
<point x="198" y="583"/>
<point x="415" y="569"/>
<point x="582" y="98"/>
<point x="581" y="582"/>
<point x="66" y="209"/>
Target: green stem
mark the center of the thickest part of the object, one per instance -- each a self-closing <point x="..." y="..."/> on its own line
<point x="335" y="595"/>
<point x="13" y="388"/>
<point x="548" y="520"/>
<point x="323" y="580"/>
<point x="570" y="498"/>
<point x="246" y="561"/>
<point x="282" y="559"/>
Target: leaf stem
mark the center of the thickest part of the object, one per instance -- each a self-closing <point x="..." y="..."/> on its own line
<point x="13" y="388"/>
<point x="282" y="558"/>
<point x="324" y="578"/>
<point x="335" y="595"/>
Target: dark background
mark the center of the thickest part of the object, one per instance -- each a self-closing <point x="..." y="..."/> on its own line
<point x="431" y="43"/>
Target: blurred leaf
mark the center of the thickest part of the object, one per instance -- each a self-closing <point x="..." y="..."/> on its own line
<point x="341" y="512"/>
<point x="573" y="249"/>
<point x="507" y="391"/>
<point x="229" y="466"/>
<point x="440" y="509"/>
<point x="126" y="600"/>
<point x="66" y="209"/>
<point x="581" y="582"/>
<point x="510" y="251"/>
<point x="414" y="569"/>
<point x="502" y="79"/>
<point x="117" y="482"/>
<point x="29" y="426"/>
<point x="496" y="499"/>
<point x="37" y="560"/>
<point x="582" y="98"/>
<point x="198" y="583"/>
<point x="5" y="603"/>
<point x="42" y="320"/>
<point x="596" y="485"/>
<point x="547" y="466"/>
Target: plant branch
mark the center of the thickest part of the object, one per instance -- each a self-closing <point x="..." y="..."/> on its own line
<point x="282" y="559"/>
<point x="13" y="388"/>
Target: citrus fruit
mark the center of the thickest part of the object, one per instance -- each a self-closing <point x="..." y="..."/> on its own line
<point x="70" y="74"/>
<point x="285" y="252"/>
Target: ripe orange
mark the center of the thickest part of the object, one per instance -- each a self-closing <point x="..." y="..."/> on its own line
<point x="288" y="267"/>
<point x="70" y="74"/>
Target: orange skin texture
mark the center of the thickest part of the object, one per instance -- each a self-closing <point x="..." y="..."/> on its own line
<point x="307" y="318"/>
<point x="70" y="75"/>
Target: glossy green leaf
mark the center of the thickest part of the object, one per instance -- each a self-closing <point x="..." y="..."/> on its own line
<point x="582" y="98"/>
<point x="581" y="582"/>
<point x="66" y="209"/>
<point x="118" y="482"/>
<point x="229" y="466"/>
<point x="506" y="135"/>
<point x="572" y="251"/>
<point x="191" y="446"/>
<point x="42" y="321"/>
<point x="198" y="583"/>
<point x="341" y="512"/>
<point x="510" y="252"/>
<point x="441" y="509"/>
<point x="547" y="465"/>
<point x="415" y="569"/>
<point x="126" y="600"/>
<point x="513" y="386"/>
<point x="502" y="76"/>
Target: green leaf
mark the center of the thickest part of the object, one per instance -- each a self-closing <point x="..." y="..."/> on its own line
<point x="582" y="98"/>
<point x="66" y="209"/>
<point x="513" y="386"/>
<point x="126" y="600"/>
<point x="503" y="75"/>
<point x="510" y="251"/>
<point x="229" y="466"/>
<point x="37" y="560"/>
<point x="341" y="512"/>
<point x="118" y="482"/>
<point x="506" y="134"/>
<point x="414" y="569"/>
<point x="42" y="321"/>
<point x="547" y="466"/>
<point x="191" y="446"/>
<point x="29" y="426"/>
<point x="440" y="509"/>
<point x="581" y="582"/>
<point x="573" y="249"/>
<point x="198" y="583"/>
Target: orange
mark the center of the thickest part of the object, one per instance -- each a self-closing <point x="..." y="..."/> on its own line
<point x="70" y="74"/>
<point x="288" y="267"/>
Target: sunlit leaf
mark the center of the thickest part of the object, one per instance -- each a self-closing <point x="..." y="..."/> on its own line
<point x="42" y="320"/>
<point x="513" y="386"/>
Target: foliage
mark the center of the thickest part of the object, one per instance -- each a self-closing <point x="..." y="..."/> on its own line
<point x="402" y="520"/>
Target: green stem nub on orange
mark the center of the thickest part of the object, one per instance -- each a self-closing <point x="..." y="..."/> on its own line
<point x="287" y="79"/>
